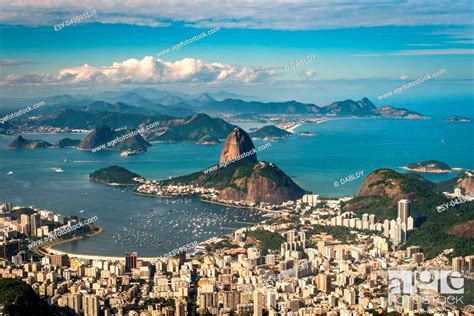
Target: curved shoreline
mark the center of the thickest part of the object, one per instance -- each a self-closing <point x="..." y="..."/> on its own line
<point x="49" y="248"/>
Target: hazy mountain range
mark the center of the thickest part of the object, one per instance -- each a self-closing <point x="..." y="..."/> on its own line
<point x="143" y="106"/>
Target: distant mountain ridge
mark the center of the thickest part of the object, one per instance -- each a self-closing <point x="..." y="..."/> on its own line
<point x="220" y="102"/>
<point x="348" y="107"/>
<point x="363" y="107"/>
<point x="239" y="106"/>
<point x="198" y="128"/>
<point x="130" y="109"/>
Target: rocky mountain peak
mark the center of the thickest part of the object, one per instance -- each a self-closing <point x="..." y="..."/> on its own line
<point x="237" y="143"/>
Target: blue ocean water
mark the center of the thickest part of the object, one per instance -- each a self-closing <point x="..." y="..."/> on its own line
<point x="342" y="147"/>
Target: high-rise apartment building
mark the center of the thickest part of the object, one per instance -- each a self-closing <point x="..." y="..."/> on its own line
<point x="404" y="210"/>
<point x="130" y="261"/>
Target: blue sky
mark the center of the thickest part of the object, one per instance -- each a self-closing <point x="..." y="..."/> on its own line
<point x="361" y="49"/>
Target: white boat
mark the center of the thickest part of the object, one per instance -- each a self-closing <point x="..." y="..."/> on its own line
<point x="56" y="169"/>
<point x="9" y="173"/>
<point x="81" y="211"/>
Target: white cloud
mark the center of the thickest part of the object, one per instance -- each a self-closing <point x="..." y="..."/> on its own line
<point x="148" y="70"/>
<point x="13" y="62"/>
<point x="275" y="14"/>
<point x="309" y="73"/>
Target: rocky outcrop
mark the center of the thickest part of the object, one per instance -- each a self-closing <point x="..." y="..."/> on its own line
<point x="244" y="179"/>
<point x="237" y="143"/>
<point x="102" y="135"/>
<point x="97" y="137"/>
<point x="67" y="142"/>
<point x="463" y="230"/>
<point x="466" y="182"/>
<point x="22" y="143"/>
<point x="266" y="183"/>
<point x="383" y="182"/>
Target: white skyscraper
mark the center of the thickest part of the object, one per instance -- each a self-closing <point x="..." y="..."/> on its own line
<point x="372" y="219"/>
<point x="410" y="223"/>
<point x="403" y="233"/>
<point x="404" y="210"/>
<point x="386" y="228"/>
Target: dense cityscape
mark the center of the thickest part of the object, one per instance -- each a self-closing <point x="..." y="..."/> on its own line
<point x="309" y="258"/>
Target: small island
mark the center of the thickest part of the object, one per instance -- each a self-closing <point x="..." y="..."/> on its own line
<point x="457" y="119"/>
<point x="67" y="142"/>
<point x="270" y="132"/>
<point x="429" y="166"/>
<point x="116" y="175"/>
<point x="101" y="137"/>
<point x="22" y="143"/>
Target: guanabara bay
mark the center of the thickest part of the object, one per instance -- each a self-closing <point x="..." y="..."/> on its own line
<point x="285" y="158"/>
